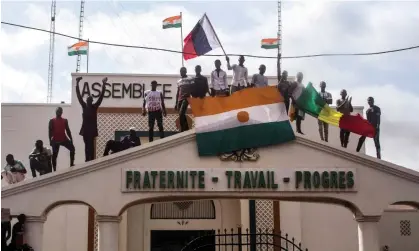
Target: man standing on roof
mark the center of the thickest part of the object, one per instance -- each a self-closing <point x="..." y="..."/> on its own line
<point x="89" y="125"/>
<point x="344" y="105"/>
<point x="323" y="126"/>
<point x="283" y="87"/>
<point x="218" y="81"/>
<point x="58" y="130"/>
<point x="183" y="93"/>
<point x="240" y="75"/>
<point x="200" y="86"/>
<point x="260" y="80"/>
<point x="374" y="117"/>
<point x="299" y="114"/>
<point x="154" y="105"/>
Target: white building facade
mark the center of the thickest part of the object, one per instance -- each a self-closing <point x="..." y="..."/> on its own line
<point x="88" y="207"/>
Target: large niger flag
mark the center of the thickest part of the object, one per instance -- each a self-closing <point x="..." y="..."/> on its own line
<point x="309" y="100"/>
<point x="249" y="118"/>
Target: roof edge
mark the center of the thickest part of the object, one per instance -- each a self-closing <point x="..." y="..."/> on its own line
<point x="189" y="136"/>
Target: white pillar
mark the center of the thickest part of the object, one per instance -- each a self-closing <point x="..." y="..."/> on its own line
<point x="108" y="232"/>
<point x="34" y="231"/>
<point x="368" y="237"/>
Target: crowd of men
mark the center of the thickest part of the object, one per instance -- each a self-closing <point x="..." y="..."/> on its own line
<point x="43" y="160"/>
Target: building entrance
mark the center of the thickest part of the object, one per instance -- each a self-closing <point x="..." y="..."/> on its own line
<point x="175" y="240"/>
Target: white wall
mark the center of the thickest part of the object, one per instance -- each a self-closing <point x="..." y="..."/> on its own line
<point x="389" y="227"/>
<point x="66" y="228"/>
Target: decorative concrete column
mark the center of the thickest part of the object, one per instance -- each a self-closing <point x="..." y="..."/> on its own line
<point x="108" y="232"/>
<point x="368" y="237"/>
<point x="34" y="231"/>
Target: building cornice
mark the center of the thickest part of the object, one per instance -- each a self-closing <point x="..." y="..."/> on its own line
<point x="368" y="218"/>
<point x="36" y="218"/>
<point x="185" y="137"/>
<point x="365" y="160"/>
<point x="108" y="218"/>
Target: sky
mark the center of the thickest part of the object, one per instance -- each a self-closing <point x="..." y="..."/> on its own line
<point x="309" y="27"/>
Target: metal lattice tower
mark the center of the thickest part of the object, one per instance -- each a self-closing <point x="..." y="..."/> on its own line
<point x="279" y="36"/>
<point x="51" y="52"/>
<point x="80" y="31"/>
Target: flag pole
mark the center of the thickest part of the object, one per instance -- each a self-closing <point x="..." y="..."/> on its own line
<point x="181" y="36"/>
<point x="88" y="51"/>
<point x="221" y="45"/>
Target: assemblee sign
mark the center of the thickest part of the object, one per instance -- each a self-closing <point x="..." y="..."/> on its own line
<point x="250" y="179"/>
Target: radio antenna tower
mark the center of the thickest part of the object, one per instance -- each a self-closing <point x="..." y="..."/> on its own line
<point x="279" y="36"/>
<point x="80" y="31"/>
<point x="51" y="51"/>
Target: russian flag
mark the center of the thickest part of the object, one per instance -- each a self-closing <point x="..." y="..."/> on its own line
<point x="201" y="40"/>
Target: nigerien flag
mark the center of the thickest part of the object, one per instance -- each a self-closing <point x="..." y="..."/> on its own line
<point x="248" y="118"/>
<point x="309" y="100"/>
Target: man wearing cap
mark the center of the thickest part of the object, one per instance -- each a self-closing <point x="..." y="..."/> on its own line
<point x="323" y="126"/>
<point x="127" y="142"/>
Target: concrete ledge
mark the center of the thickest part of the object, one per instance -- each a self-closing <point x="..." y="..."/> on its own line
<point x="185" y="137"/>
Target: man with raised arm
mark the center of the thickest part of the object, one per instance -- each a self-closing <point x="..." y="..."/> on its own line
<point x="89" y="125"/>
<point x="374" y="117"/>
<point x="183" y="93"/>
<point x="218" y="81"/>
<point x="154" y="105"/>
<point x="323" y="126"/>
<point x="344" y="105"/>
<point x="240" y="75"/>
<point x="58" y="130"/>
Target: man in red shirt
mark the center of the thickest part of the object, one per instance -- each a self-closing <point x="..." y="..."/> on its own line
<point x="58" y="132"/>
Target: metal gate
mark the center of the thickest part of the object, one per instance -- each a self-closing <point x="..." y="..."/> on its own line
<point x="239" y="240"/>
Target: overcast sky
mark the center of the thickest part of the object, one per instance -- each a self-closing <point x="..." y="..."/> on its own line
<point x="309" y="27"/>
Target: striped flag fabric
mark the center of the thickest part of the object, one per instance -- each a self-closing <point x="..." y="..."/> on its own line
<point x="309" y="100"/>
<point x="249" y="118"/>
<point x="79" y="48"/>
<point x="172" y="22"/>
<point x="201" y="40"/>
<point x="270" y="43"/>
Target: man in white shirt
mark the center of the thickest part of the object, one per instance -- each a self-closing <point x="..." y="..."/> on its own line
<point x="14" y="171"/>
<point x="240" y="75"/>
<point x="259" y="80"/>
<point x="323" y="126"/>
<point x="218" y="81"/>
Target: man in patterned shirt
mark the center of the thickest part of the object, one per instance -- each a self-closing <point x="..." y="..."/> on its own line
<point x="183" y="93"/>
<point x="323" y="126"/>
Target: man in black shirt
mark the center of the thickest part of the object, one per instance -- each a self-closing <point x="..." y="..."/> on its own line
<point x="6" y="229"/>
<point x="200" y="86"/>
<point x="374" y="117"/>
<point x="18" y="231"/>
<point x="283" y="87"/>
<point x="127" y="142"/>
<point x="89" y="125"/>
